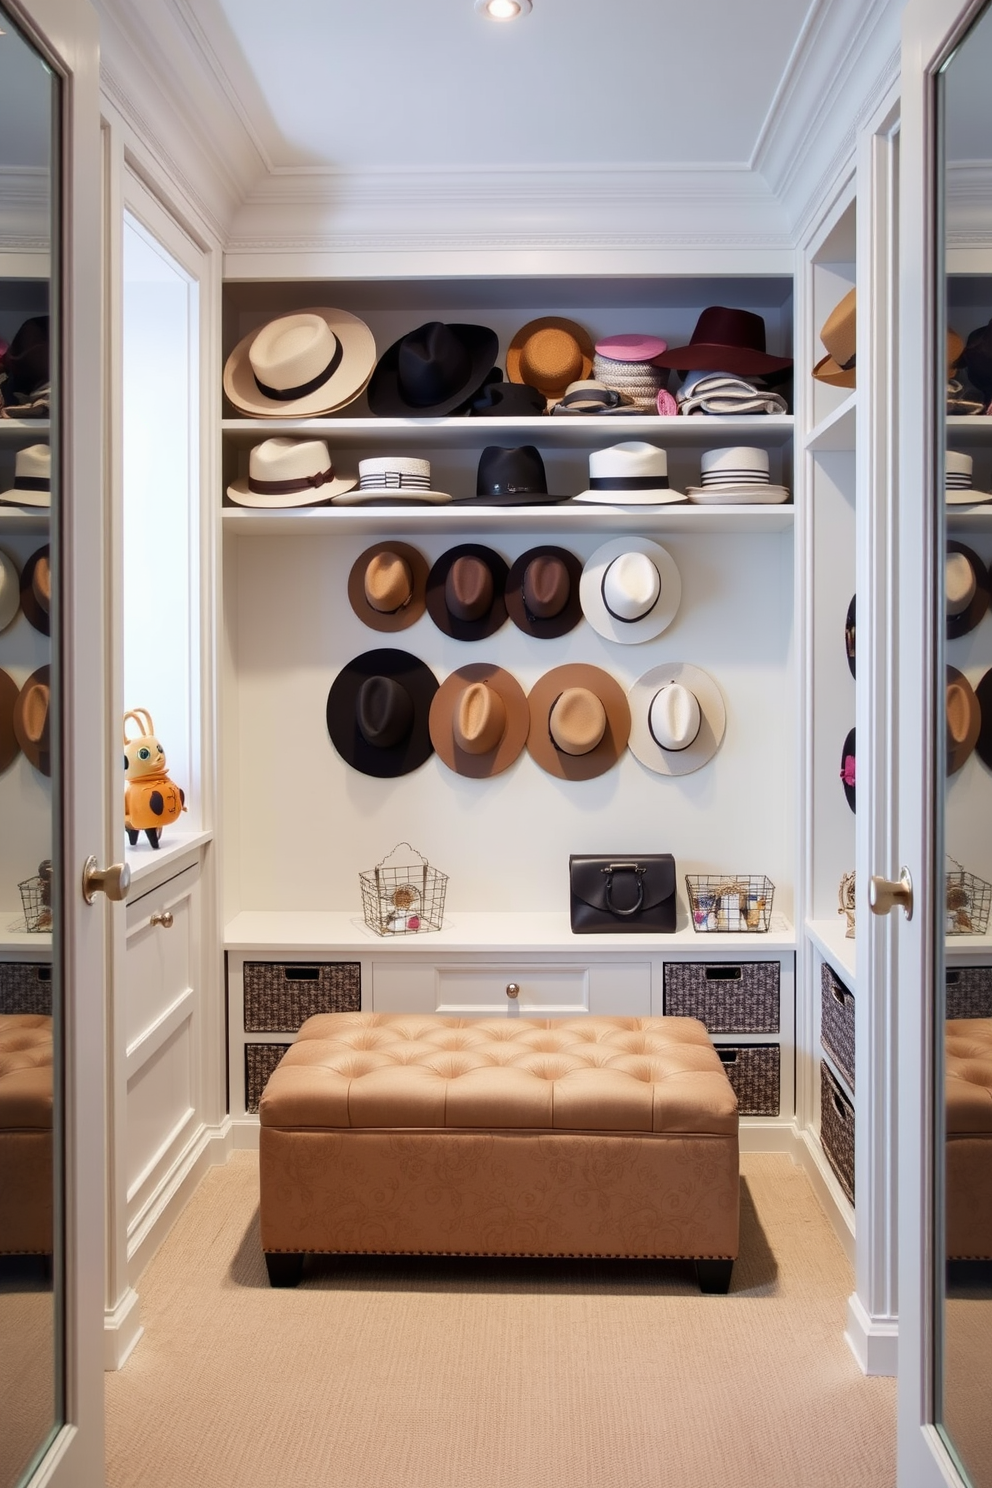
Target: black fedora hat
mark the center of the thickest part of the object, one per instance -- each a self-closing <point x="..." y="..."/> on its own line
<point x="983" y="744"/>
<point x="542" y="592"/>
<point x="508" y="400"/>
<point x="432" y="371"/>
<point x="976" y="359"/>
<point x="378" y="712"/>
<point x="511" y="477"/>
<point x="967" y="589"/>
<point x="850" y="634"/>
<point x="466" y="592"/>
<point x="26" y="360"/>
<point x="848" y="767"/>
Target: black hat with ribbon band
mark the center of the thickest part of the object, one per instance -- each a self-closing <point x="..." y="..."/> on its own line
<point x="432" y="371"/>
<point x="378" y="712"/>
<point x="542" y="592"/>
<point x="300" y="365"/>
<point x="511" y="477"/>
<point x="26" y="360"/>
<point x="286" y="472"/>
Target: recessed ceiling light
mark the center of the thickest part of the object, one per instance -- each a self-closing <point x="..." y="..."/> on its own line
<point x="503" y="10"/>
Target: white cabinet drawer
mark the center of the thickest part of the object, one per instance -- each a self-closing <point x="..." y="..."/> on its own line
<point x="546" y="989"/>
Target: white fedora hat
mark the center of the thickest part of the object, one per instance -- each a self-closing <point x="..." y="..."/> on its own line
<point x="630" y="474"/>
<point x="32" y="477"/>
<point x="386" y="479"/>
<point x="10" y="590"/>
<point x="736" y="476"/>
<point x="300" y="365"/>
<point x="288" y="472"/>
<point x="630" y="590"/>
<point x="959" y="481"/>
<point x="677" y="718"/>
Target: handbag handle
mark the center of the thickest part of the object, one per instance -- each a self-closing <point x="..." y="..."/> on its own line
<point x="624" y="868"/>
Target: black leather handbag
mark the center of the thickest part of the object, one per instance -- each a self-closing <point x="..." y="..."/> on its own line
<point x="633" y="895"/>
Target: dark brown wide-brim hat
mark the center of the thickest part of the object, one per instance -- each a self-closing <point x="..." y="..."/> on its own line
<point x="387" y="586"/>
<point x="964" y="719"/>
<point x="983" y="695"/>
<point x="542" y="592"/>
<point x="9" y="747"/>
<point x="479" y="720"/>
<point x="36" y="588"/>
<point x="967" y="618"/>
<point x="466" y="592"/>
<point x="547" y="691"/>
<point x="31" y="719"/>
<point x="378" y="711"/>
<point x="725" y="340"/>
<point x="433" y="370"/>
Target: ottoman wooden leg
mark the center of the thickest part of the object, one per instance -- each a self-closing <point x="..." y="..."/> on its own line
<point x="285" y="1268"/>
<point x="713" y="1276"/>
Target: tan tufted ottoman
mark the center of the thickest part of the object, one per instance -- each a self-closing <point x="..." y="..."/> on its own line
<point x="968" y="1045"/>
<point x="587" y="1136"/>
<point x="25" y="1134"/>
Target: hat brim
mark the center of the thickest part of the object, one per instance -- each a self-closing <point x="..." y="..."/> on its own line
<point x="967" y="498"/>
<point x="737" y="495"/>
<point x="509" y="400"/>
<point x="983" y="695"/>
<point x="345" y="383"/>
<point x="959" y="625"/>
<point x="958" y="753"/>
<point x="14" y="497"/>
<point x="658" y="619"/>
<point x="850" y="634"/>
<point x="712" y="722"/>
<point x="36" y="615"/>
<point x="641" y="349"/>
<point x="35" y="751"/>
<point x="661" y="496"/>
<point x="540" y="744"/>
<point x="850" y="791"/>
<point x="516" y="498"/>
<point x="567" y="618"/>
<point x="238" y="491"/>
<point x="342" y="713"/>
<point x="703" y="356"/>
<point x="398" y="619"/>
<point x="357" y="497"/>
<point x="831" y="372"/>
<point x="549" y="323"/>
<point x="467" y="630"/>
<point x="385" y="399"/>
<point x="443" y="709"/>
<point x="9" y="746"/>
<point x="10" y="590"/>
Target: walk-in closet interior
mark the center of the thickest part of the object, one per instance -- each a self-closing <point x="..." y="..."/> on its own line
<point x="643" y="180"/>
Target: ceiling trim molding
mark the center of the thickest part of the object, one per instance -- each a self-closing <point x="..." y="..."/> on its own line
<point x="421" y="242"/>
<point x="968" y="204"/>
<point x="27" y="201"/>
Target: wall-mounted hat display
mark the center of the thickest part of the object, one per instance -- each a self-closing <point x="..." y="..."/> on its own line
<point x="738" y="475"/>
<point x="967" y="589"/>
<point x="36" y="590"/>
<point x="983" y="744"/>
<point x="433" y="370"/>
<point x="387" y="586"/>
<point x="289" y="472"/>
<point x="393" y="480"/>
<point x="964" y="719"/>
<point x="959" y="481"/>
<point x="839" y="336"/>
<point x="542" y="592"/>
<point x="677" y="718"/>
<point x="300" y="365"/>
<point x="508" y="400"/>
<point x="630" y="590"/>
<point x="31" y="710"/>
<point x="848" y="768"/>
<point x="725" y="340"/>
<point x="549" y="353"/>
<point x="10" y="590"/>
<point x="479" y="720"/>
<point x="850" y="634"/>
<point x="9" y="747"/>
<point x="465" y="592"/>
<point x="378" y="712"/>
<point x="511" y="477"/>
<point x="630" y="474"/>
<point x="579" y="722"/>
<point x="32" y="477"/>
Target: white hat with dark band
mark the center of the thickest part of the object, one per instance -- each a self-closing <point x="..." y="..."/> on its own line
<point x="288" y="472"/>
<point x="630" y="590"/>
<point x="677" y="718"/>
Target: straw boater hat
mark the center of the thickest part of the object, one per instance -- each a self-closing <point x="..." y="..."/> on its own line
<point x="630" y="590"/>
<point x="378" y="709"/>
<point x="465" y="592"/>
<point x="966" y="588"/>
<point x="542" y="592"/>
<point x="725" y="341"/>
<point x="9" y="746"/>
<point x="737" y="476"/>
<point x="511" y="477"/>
<point x="10" y="590"/>
<point x="839" y="336"/>
<point x="387" y="586"/>
<point x="630" y="474"/>
<point x="432" y="371"/>
<point x="31" y="715"/>
<point x="964" y="719"/>
<point x="288" y="472"/>
<point x="579" y="722"/>
<point x="848" y="760"/>
<point x="300" y="365"/>
<point x="479" y="720"/>
<point x="959" y="481"/>
<point x="32" y="477"/>
<point x="393" y="480"/>
<point x="677" y="718"/>
<point x="549" y="353"/>
<point x="36" y="590"/>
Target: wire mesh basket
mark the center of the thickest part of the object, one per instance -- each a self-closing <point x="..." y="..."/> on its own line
<point x="969" y="899"/>
<point x="36" y="904"/>
<point x="401" y="897"/>
<point x="724" y="902"/>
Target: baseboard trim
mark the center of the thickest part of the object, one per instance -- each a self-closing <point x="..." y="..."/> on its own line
<point x="874" y="1342"/>
<point x="244" y="1133"/>
<point x="121" y="1330"/>
<point x="831" y="1197"/>
<point x="211" y="1148"/>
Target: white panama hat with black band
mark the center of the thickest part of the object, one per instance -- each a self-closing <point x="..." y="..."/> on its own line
<point x="677" y="718"/>
<point x="630" y="590"/>
<point x="633" y="473"/>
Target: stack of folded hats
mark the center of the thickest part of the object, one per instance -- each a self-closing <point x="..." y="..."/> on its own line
<point x="719" y="392"/>
<point x="627" y="364"/>
<point x="725" y="364"/>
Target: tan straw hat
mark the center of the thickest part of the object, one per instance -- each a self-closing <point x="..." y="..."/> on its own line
<point x="36" y="589"/>
<point x="579" y="721"/>
<point x="300" y="365"/>
<point x="549" y="353"/>
<point x="387" y="586"/>
<point x="479" y="720"/>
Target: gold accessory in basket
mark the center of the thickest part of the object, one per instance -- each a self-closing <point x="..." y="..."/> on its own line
<point x="729" y="903"/>
<point x="845" y="902"/>
<point x="968" y="901"/>
<point x="400" y="897"/>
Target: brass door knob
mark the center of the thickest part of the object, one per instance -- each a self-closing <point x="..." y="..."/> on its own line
<point x="884" y="895"/>
<point x="164" y="919"/>
<point x="513" y="989"/>
<point x="113" y="881"/>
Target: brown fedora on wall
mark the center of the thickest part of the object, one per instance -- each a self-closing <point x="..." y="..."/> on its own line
<point x="542" y="592"/>
<point x="36" y="590"/>
<point x="479" y="720"/>
<point x="9" y="747"/>
<point x="31" y="719"/>
<point x="964" y="719"/>
<point x="465" y="592"/>
<point x="579" y="721"/>
<point x="387" y="586"/>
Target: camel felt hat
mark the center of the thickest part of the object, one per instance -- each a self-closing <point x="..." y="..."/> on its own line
<point x="32" y="477"/>
<point x="983" y="744"/>
<point x="36" y="590"/>
<point x="725" y="340"/>
<point x="549" y="353"/>
<point x="677" y="718"/>
<point x="630" y="590"/>
<point x="542" y="592"/>
<point x="9" y="747"/>
<point x="465" y="592"/>
<point x="966" y="589"/>
<point x="288" y="472"/>
<point x="31" y="719"/>
<point x="579" y="721"/>
<point x="387" y="586"/>
<point x="959" y="481"/>
<point x="393" y="480"/>
<point x="479" y="720"/>
<point x="848" y="768"/>
<point x="10" y="590"/>
<point x="839" y="336"/>
<point x="511" y="477"/>
<point x="737" y="476"/>
<point x="964" y="719"/>
<point x="433" y="370"/>
<point x="378" y="711"/>
<point x="300" y="365"/>
<point x="633" y="473"/>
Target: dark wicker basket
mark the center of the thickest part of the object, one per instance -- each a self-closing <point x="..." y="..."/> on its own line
<point x="738" y="997"/>
<point x="969" y="992"/>
<point x="25" y="988"/>
<point x="837" y="1130"/>
<point x="754" y="1072"/>
<point x="279" y="995"/>
<point x="837" y="1022"/>
<point x="260" y="1061"/>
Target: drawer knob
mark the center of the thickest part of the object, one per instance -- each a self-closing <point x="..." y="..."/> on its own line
<point x="164" y="919"/>
<point x="513" y="989"/>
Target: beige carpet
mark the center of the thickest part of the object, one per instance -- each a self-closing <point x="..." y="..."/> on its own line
<point x="27" y="1375"/>
<point x="424" y="1373"/>
<point x="967" y="1371"/>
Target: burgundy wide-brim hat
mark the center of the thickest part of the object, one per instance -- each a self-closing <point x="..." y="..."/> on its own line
<point x="543" y="598"/>
<point x="725" y="340"/>
<point x="378" y="711"/>
<point x="411" y="597"/>
<point x="848" y="757"/>
<point x="543" y="696"/>
<point x="9" y="747"/>
<point x="497" y="715"/>
<point x="432" y="371"/>
<point x="32" y="720"/>
<point x="35" y="582"/>
<point x="466" y="592"/>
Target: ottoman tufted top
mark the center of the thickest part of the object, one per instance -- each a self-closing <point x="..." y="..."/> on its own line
<point x="25" y="1071"/>
<point x="968" y="1044"/>
<point x="550" y="1074"/>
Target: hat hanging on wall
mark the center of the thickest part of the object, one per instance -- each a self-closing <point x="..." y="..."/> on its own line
<point x="31" y="719"/>
<point x="633" y="473"/>
<point x="36" y="590"/>
<point x="433" y="370"/>
<point x="983" y="695"/>
<point x="677" y="718"/>
<point x="9" y="747"/>
<point x="511" y="477"/>
<point x="964" y="719"/>
<point x="393" y="480"/>
<point x="848" y="768"/>
<point x="288" y="472"/>
<point x="387" y="586"/>
<point x="725" y="340"/>
<point x="738" y="476"/>
<point x="579" y="722"/>
<point x="967" y="589"/>
<point x="300" y="365"/>
<point x="465" y="592"/>
<point x="10" y="590"/>
<point x="542" y="592"/>
<point x="850" y="634"/>
<point x="630" y="590"/>
<point x="549" y="353"/>
<point x="378" y="711"/>
<point x="32" y="477"/>
<point x="479" y="720"/>
<point x="839" y="336"/>
<point x="959" y="481"/>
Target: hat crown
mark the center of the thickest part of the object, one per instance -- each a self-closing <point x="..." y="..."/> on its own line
<point x="41" y="582"/>
<point x="631" y="586"/>
<point x="26" y="360"/>
<point x="957" y="463"/>
<point x="961" y="583"/>
<point x="633" y="458"/>
<point x="292" y="351"/>
<point x="631" y="347"/>
<point x="546" y="586"/>
<point x="34" y="462"/>
<point x="740" y="464"/>
<point x="674" y="717"/>
<point x="284" y="459"/>
<point x="479" y="721"/>
<point x="839" y="332"/>
<point x="388" y="582"/>
<point x="551" y="358"/>
<point x="577" y="721"/>
<point x="719" y="326"/>
<point x="958" y="713"/>
<point x="468" y="588"/>
<point x="432" y="363"/>
<point x="34" y="712"/>
<point x="384" y="712"/>
<point x="506" y="472"/>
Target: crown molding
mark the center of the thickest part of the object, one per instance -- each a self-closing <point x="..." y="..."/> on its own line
<point x="968" y="203"/>
<point x="27" y="209"/>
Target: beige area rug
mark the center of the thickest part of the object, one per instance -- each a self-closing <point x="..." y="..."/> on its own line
<point x="968" y="1372"/>
<point x="27" y="1376"/>
<point x="452" y="1373"/>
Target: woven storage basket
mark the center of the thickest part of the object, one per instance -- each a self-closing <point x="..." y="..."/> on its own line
<point x="260" y="1061"/>
<point x="837" y="1022"/>
<point x="279" y="995"/>
<point x="731" y="903"/>
<point x="753" y="1071"/>
<point x="741" y="997"/>
<point x="25" y="988"/>
<point x="969" y="992"/>
<point x="837" y="1130"/>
